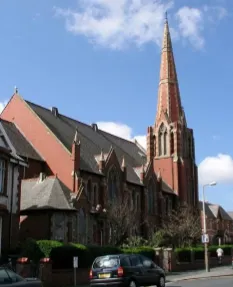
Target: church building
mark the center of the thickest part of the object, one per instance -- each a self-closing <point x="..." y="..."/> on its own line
<point x="87" y="185"/>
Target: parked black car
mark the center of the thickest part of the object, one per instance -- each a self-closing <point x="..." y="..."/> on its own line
<point x="126" y="270"/>
<point x="10" y="279"/>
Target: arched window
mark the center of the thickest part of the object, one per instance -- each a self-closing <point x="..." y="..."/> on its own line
<point x="165" y="143"/>
<point x="82" y="225"/>
<point x="150" y="198"/>
<point x="112" y="185"/>
<point x="155" y="145"/>
<point x="89" y="191"/>
<point x="95" y="196"/>
<point x="172" y="143"/>
<point x="160" y="143"/>
<point x="162" y="140"/>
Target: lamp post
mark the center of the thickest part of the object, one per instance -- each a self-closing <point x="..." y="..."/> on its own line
<point x="204" y="224"/>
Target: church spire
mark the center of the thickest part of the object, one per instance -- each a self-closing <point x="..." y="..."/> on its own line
<point x="169" y="103"/>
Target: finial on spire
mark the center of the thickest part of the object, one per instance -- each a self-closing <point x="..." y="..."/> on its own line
<point x="16" y="90"/>
<point x="166" y="16"/>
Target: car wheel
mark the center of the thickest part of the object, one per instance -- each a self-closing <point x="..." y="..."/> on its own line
<point x="132" y="283"/>
<point x="161" y="282"/>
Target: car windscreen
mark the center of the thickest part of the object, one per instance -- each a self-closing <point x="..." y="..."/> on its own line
<point x="106" y="262"/>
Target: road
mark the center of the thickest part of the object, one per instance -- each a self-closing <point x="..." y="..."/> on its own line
<point x="214" y="282"/>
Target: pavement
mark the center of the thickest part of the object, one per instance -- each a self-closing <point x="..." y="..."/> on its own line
<point x="214" y="282"/>
<point x="223" y="271"/>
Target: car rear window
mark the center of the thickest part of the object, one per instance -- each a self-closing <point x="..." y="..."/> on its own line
<point x="106" y="262"/>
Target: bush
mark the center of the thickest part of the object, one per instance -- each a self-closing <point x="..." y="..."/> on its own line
<point x="62" y="256"/>
<point x="183" y="254"/>
<point x="144" y="250"/>
<point x="35" y="250"/>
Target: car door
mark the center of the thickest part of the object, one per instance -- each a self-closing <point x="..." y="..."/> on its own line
<point x="150" y="270"/>
<point x="138" y="270"/>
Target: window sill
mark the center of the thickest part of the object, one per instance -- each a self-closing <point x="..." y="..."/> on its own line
<point x="3" y="195"/>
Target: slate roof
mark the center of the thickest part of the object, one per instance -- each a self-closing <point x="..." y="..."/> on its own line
<point x="50" y="193"/>
<point x="22" y="146"/>
<point x="92" y="141"/>
<point x="212" y="211"/>
<point x="230" y="214"/>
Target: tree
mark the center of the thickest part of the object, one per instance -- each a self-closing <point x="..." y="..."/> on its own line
<point x="122" y="219"/>
<point x="183" y="226"/>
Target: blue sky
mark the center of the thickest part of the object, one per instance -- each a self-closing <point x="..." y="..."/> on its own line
<point x="98" y="61"/>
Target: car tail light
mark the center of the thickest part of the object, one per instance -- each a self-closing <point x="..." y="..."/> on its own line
<point x="91" y="274"/>
<point x="120" y="272"/>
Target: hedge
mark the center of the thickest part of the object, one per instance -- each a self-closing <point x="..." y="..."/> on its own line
<point x="62" y="254"/>
<point x="184" y="254"/>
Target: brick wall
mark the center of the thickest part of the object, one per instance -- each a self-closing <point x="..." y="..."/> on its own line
<point x="57" y="156"/>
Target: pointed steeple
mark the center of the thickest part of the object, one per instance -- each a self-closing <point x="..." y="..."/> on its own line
<point x="169" y="103"/>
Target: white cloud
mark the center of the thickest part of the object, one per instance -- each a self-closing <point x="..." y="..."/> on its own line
<point x="191" y="24"/>
<point x="2" y="105"/>
<point x="117" y="23"/>
<point x="123" y="131"/>
<point x="219" y="168"/>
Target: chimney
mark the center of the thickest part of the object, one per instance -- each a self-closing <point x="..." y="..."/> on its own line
<point x="42" y="176"/>
<point x="54" y="111"/>
<point x="76" y="151"/>
<point x="95" y="127"/>
<point x="124" y="169"/>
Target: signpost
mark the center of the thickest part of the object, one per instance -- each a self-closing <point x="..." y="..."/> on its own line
<point x="75" y="265"/>
<point x="205" y="238"/>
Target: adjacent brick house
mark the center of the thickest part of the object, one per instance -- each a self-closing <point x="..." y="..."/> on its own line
<point x="219" y="223"/>
<point x="95" y="167"/>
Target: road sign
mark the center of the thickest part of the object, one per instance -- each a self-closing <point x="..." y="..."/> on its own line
<point x="205" y="238"/>
<point x="75" y="262"/>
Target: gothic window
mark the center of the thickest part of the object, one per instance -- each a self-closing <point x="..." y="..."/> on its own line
<point x="162" y="140"/>
<point x="172" y="143"/>
<point x="95" y="196"/>
<point x="154" y="141"/>
<point x="89" y="190"/>
<point x="165" y="143"/>
<point x="150" y="197"/>
<point x="112" y="185"/>
<point x="160" y="143"/>
<point x="82" y="225"/>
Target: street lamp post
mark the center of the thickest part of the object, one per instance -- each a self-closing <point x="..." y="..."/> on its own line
<point x="204" y="225"/>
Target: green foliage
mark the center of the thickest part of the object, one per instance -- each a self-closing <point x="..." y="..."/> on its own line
<point x="144" y="250"/>
<point x="184" y="254"/>
<point x="159" y="239"/>
<point x="134" y="241"/>
<point x="46" y="246"/>
<point x="62" y="254"/>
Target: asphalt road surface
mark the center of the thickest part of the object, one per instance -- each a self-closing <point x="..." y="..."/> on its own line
<point x="214" y="282"/>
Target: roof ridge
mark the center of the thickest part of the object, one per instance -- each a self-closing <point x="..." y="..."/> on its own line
<point x="75" y="120"/>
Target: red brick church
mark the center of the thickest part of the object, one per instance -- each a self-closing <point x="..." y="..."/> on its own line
<point x="80" y="168"/>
